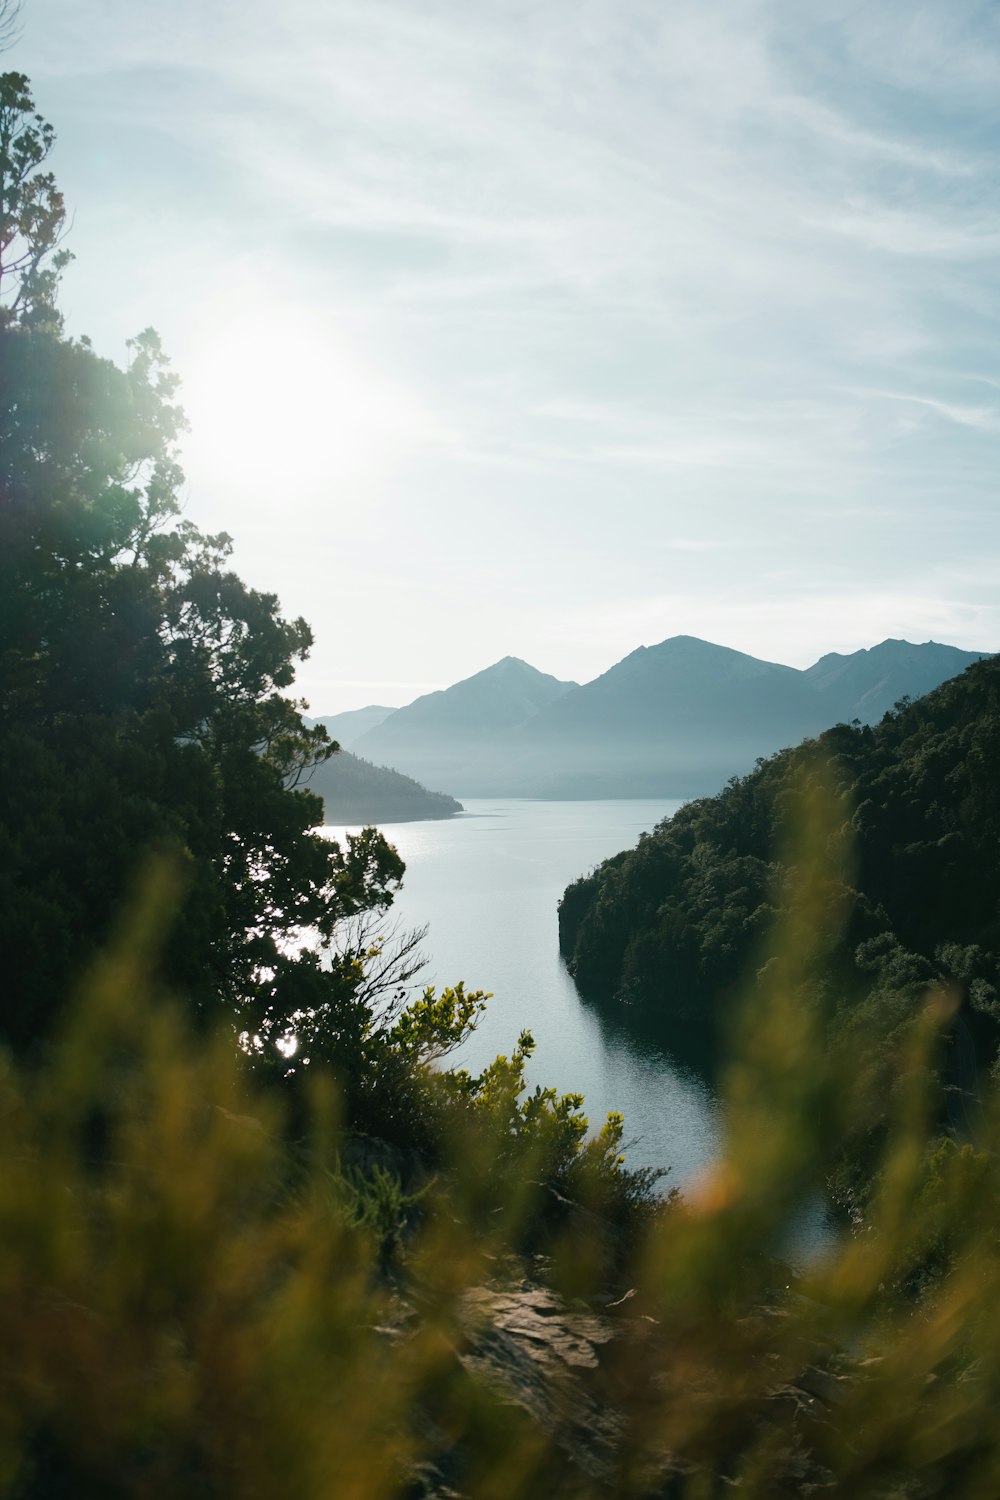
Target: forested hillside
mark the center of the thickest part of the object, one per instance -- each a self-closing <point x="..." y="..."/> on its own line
<point x="355" y="791"/>
<point x="679" y="924"/>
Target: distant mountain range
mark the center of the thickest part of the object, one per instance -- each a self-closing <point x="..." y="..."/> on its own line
<point x="673" y="720"/>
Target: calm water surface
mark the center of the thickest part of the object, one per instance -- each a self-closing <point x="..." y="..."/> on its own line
<point x="486" y="883"/>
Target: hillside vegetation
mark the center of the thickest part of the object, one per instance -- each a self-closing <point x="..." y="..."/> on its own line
<point x="355" y="791"/>
<point x="679" y="925"/>
<point x="202" y="1293"/>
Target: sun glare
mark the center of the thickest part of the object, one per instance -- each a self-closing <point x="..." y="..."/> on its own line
<point x="278" y="402"/>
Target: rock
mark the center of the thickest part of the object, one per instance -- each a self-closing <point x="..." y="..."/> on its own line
<point x="543" y="1356"/>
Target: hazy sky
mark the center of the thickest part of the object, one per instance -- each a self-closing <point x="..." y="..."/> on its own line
<point x="554" y="329"/>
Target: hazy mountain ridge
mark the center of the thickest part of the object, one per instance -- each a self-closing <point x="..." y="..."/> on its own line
<point x="665" y="689"/>
<point x="675" y="719"/>
<point x="867" y="684"/>
<point x="451" y="737"/>
<point x="498" y="697"/>
<point x="349" y="726"/>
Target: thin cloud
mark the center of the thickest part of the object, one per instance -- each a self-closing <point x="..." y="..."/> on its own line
<point x="832" y="126"/>
<point x="669" y="279"/>
<point x="982" y="418"/>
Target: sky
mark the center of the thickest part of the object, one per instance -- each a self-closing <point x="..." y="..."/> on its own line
<point x="556" y="329"/>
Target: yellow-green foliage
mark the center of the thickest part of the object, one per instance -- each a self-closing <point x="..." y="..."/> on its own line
<point x="183" y="1310"/>
<point x="190" y="1305"/>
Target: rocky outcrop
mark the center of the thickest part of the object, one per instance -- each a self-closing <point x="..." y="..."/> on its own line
<point x="574" y="1375"/>
<point x="545" y="1356"/>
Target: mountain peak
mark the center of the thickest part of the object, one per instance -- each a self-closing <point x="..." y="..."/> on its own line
<point x="496" y="698"/>
<point x="865" y="684"/>
<point x="508" y="664"/>
<point x="680" y="644"/>
<point x="691" y="654"/>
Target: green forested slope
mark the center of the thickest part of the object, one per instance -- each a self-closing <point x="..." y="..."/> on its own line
<point x="681" y="922"/>
<point x="355" y="791"/>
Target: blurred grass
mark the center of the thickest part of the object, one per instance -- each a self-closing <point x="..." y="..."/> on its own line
<point x="193" y="1302"/>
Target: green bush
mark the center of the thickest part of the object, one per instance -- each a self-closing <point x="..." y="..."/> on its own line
<point x="196" y="1299"/>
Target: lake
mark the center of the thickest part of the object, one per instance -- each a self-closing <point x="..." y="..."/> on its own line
<point x="486" y="884"/>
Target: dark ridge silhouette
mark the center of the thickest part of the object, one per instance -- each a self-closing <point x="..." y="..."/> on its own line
<point x="355" y="791"/>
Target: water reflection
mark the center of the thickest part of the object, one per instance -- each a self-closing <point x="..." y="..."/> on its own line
<point x="688" y="1054"/>
<point x="487" y="885"/>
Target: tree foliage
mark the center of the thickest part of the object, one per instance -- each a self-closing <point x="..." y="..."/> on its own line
<point x="144" y="713"/>
<point x="677" y="927"/>
<point x="674" y="922"/>
<point x="32" y="211"/>
<point x="143" y="684"/>
<point x="191" y="1304"/>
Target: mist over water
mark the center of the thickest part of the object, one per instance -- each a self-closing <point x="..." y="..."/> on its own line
<point x="487" y="884"/>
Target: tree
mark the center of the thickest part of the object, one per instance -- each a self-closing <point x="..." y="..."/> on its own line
<point x="32" y="211"/>
<point x="143" y="700"/>
<point x="10" y="10"/>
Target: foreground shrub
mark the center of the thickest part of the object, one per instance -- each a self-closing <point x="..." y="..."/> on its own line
<point x="193" y="1302"/>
